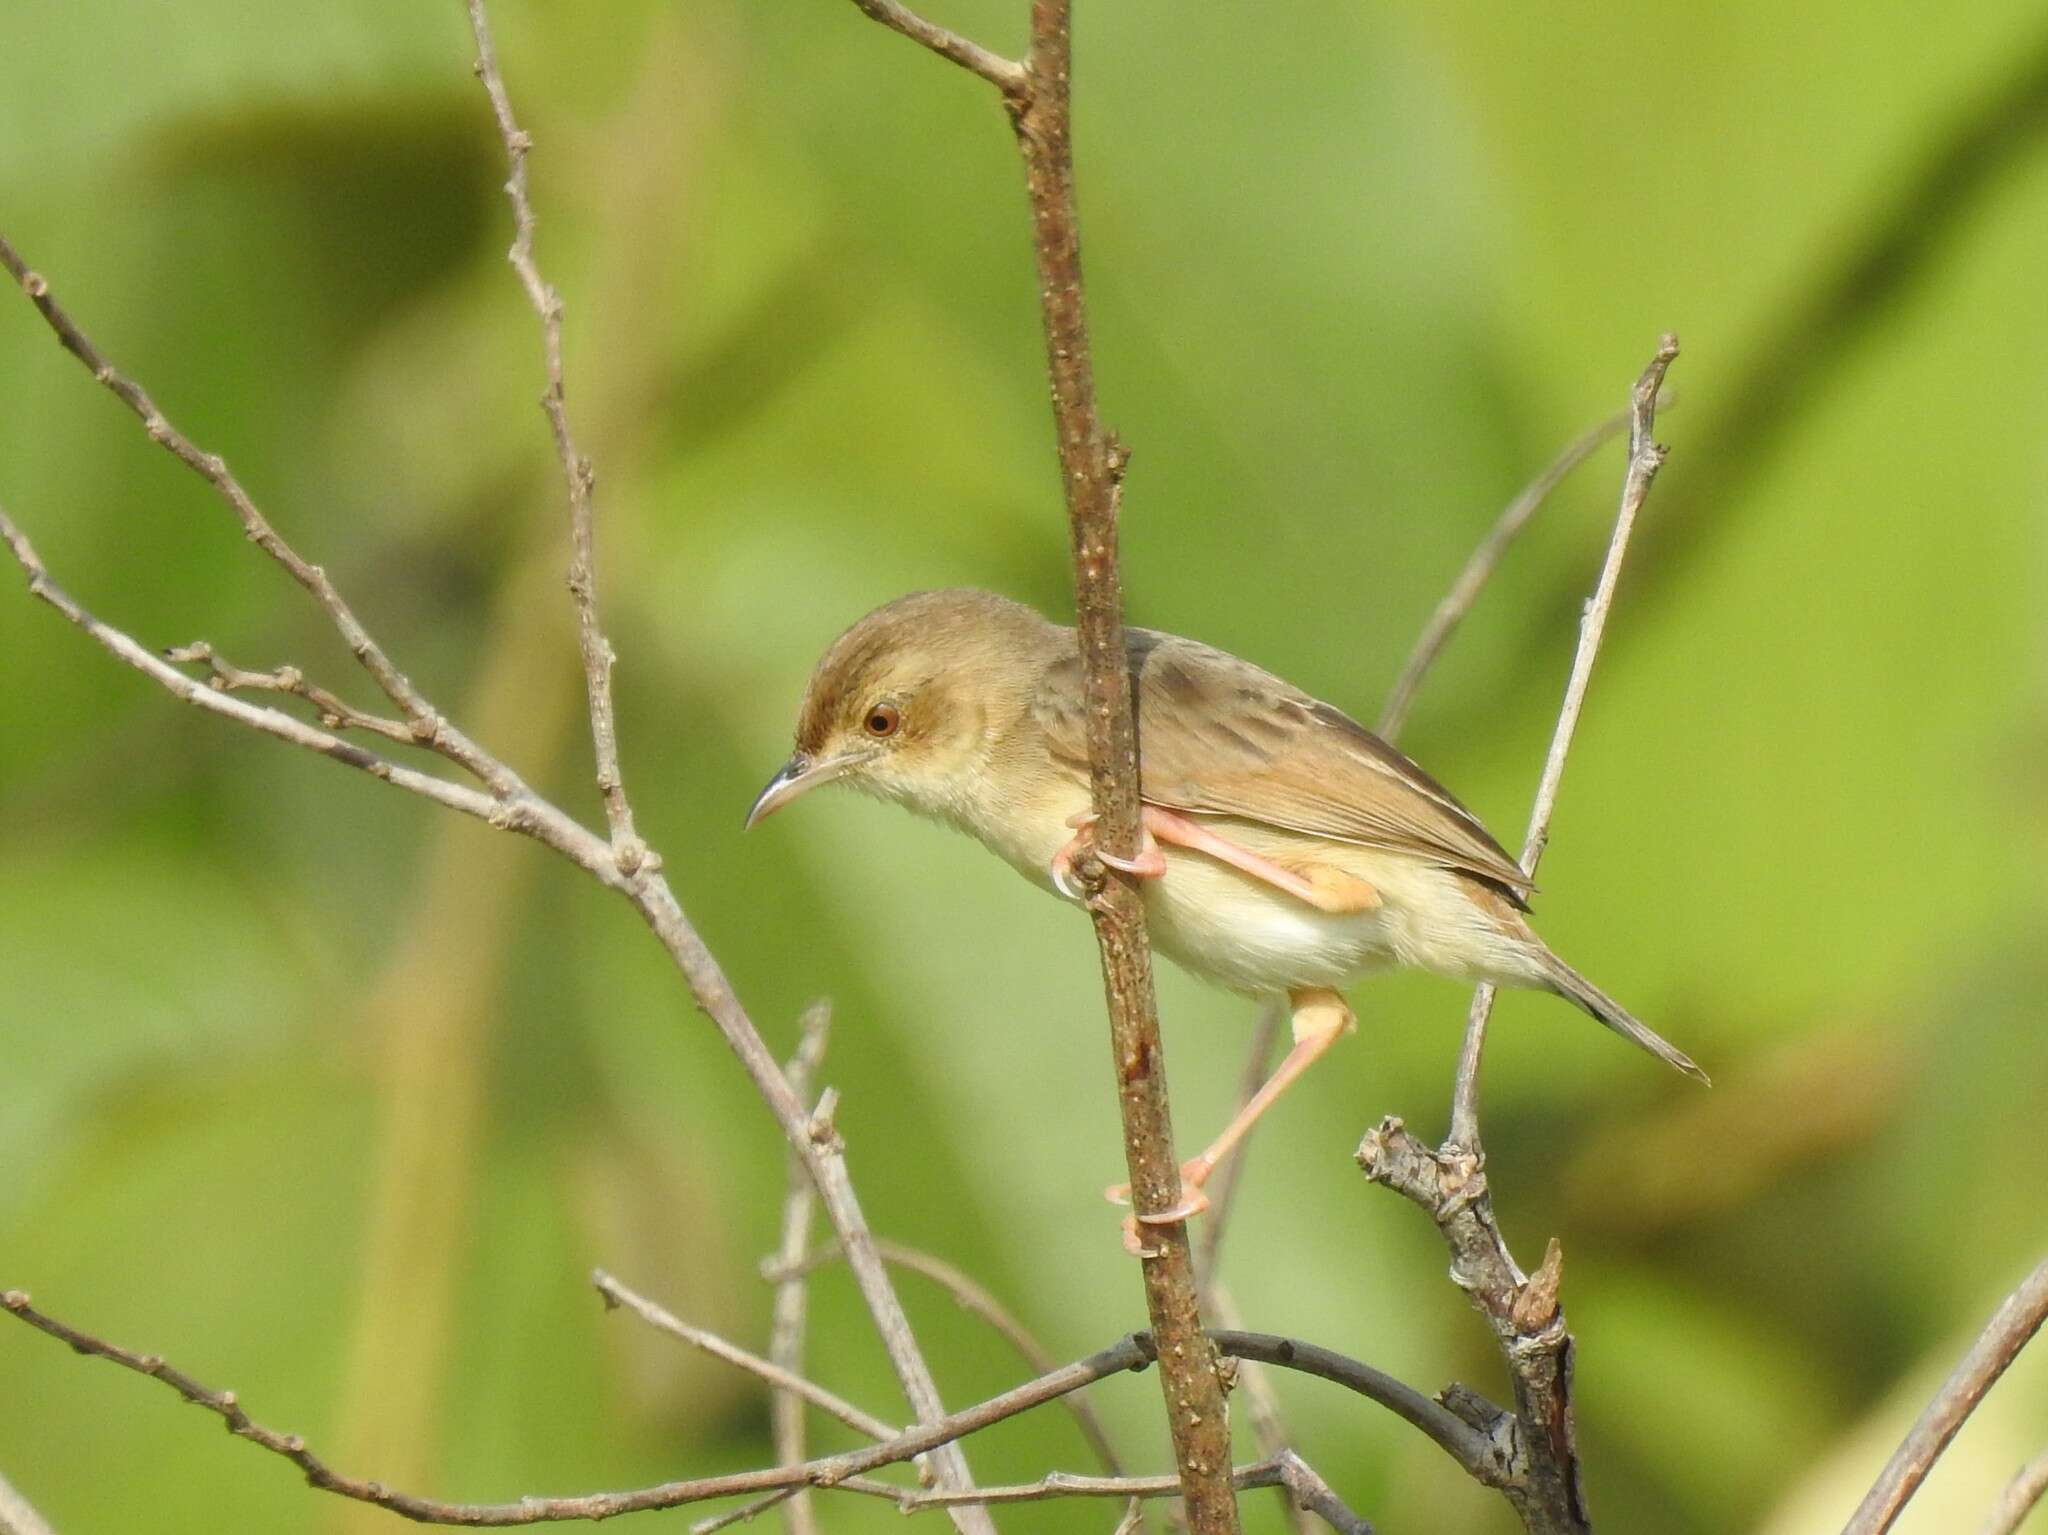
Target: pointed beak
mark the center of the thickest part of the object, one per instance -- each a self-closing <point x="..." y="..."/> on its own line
<point x="798" y="775"/>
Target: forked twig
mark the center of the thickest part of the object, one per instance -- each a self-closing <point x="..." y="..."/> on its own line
<point x="975" y="1298"/>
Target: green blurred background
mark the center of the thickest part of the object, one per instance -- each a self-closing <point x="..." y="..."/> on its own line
<point x="336" y="1099"/>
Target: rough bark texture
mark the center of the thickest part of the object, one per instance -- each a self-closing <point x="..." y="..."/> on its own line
<point x="1091" y="471"/>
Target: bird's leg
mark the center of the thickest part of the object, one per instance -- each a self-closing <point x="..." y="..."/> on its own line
<point x="1327" y="889"/>
<point x="1320" y="1016"/>
<point x="1149" y="864"/>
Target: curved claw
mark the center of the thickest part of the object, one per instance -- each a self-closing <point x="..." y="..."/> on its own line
<point x="1149" y="864"/>
<point x="1134" y="1244"/>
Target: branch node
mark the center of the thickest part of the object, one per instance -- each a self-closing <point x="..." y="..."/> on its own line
<point x="1535" y="1307"/>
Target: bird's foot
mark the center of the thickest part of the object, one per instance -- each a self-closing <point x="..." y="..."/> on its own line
<point x="1192" y="1202"/>
<point x="1149" y="863"/>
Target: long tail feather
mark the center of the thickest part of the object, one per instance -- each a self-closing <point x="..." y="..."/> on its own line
<point x="1568" y="983"/>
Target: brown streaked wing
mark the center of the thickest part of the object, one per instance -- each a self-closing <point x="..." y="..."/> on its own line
<point x="1219" y="736"/>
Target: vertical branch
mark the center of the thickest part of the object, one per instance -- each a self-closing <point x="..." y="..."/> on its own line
<point x="1645" y="458"/>
<point x="598" y="656"/>
<point x="1091" y="472"/>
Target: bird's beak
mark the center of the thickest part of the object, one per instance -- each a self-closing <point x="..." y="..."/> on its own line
<point x="802" y="772"/>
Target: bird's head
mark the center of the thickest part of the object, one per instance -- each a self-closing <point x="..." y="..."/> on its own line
<point x="908" y="702"/>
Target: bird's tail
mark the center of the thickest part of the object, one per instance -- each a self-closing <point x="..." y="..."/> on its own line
<point x="1568" y="983"/>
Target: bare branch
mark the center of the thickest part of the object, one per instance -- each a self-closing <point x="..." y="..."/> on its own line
<point x="1645" y="458"/>
<point x="523" y="812"/>
<point x="2018" y="1499"/>
<point x="598" y="657"/>
<point x="334" y="712"/>
<point x="1532" y="1454"/>
<point x="1254" y="1392"/>
<point x="786" y="1328"/>
<point x="1479" y="567"/>
<point x="1131" y="1353"/>
<point x="18" y="1516"/>
<point x="2018" y="1317"/>
<point x="1092" y="468"/>
<point x="972" y="1297"/>
<point x="1006" y="75"/>
<point x="1285" y="1470"/>
<point x="617" y="1294"/>
<point x="429" y="728"/>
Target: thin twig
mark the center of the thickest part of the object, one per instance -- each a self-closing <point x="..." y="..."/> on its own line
<point x="656" y="1316"/>
<point x="335" y="713"/>
<point x="1130" y="1353"/>
<point x="786" y="1327"/>
<point x="2026" y="1488"/>
<point x="1255" y="1392"/>
<point x="429" y="728"/>
<point x="1284" y="1470"/>
<point x="972" y="1297"/>
<point x="1479" y="568"/>
<point x="512" y="806"/>
<point x="523" y="811"/>
<point x="1645" y="458"/>
<point x="598" y="657"/>
<point x="1006" y="75"/>
<point x="2018" y="1317"/>
<point x="18" y="1516"/>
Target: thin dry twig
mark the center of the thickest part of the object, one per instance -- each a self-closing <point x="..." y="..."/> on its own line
<point x="429" y="728"/>
<point x="2026" y="1488"/>
<point x="786" y="1326"/>
<point x="1130" y="1353"/>
<point x="522" y="813"/>
<point x="1645" y="458"/>
<point x="334" y="712"/>
<point x="510" y="805"/>
<point x="581" y="478"/>
<point x="1255" y="1392"/>
<point x="782" y="1380"/>
<point x="1285" y="1470"/>
<point x="1479" y="567"/>
<point x="1006" y="75"/>
<point x="2018" y="1317"/>
<point x="972" y="1297"/>
<point x="18" y="1516"/>
<point x="1134" y="1353"/>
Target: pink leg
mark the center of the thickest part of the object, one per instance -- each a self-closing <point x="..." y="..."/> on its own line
<point x="1320" y="1016"/>
<point x="1336" y="892"/>
<point x="1149" y="864"/>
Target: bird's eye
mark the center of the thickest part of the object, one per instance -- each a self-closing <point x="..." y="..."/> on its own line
<point x="882" y="721"/>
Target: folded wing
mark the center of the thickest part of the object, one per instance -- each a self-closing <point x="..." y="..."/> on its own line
<point x="1219" y="736"/>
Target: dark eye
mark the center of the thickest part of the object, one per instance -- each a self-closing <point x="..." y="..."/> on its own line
<point x="882" y="721"/>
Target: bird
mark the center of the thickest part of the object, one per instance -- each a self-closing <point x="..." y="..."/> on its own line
<point x="1285" y="849"/>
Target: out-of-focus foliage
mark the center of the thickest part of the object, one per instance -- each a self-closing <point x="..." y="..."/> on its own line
<point x="336" y="1100"/>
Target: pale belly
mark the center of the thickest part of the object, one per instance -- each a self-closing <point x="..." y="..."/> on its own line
<point x="1244" y="934"/>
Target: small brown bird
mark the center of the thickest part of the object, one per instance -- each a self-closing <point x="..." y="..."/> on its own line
<point x="1286" y="848"/>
